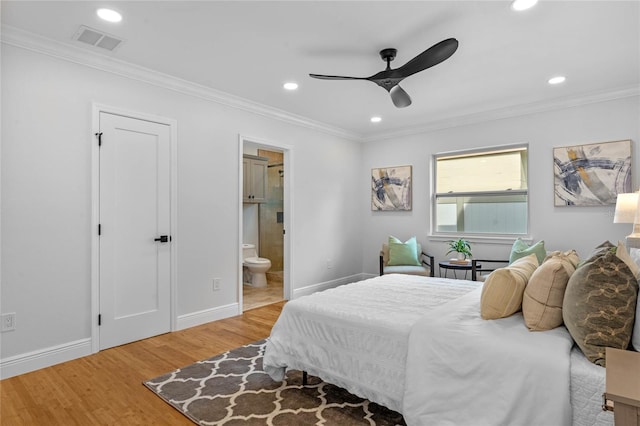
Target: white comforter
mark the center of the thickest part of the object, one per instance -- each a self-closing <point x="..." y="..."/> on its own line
<point x="463" y="370"/>
<point x="355" y="336"/>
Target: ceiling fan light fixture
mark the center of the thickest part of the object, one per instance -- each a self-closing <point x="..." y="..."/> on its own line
<point x="400" y="98"/>
<point x="290" y="85"/>
<point x="520" y="5"/>
<point x="109" y="15"/>
<point x="557" y="80"/>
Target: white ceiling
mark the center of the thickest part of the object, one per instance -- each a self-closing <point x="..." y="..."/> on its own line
<point x="250" y="48"/>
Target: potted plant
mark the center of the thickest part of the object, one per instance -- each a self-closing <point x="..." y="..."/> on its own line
<point x="460" y="246"/>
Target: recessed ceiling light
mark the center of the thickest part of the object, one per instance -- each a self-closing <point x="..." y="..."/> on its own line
<point x="523" y="4"/>
<point x="376" y="119"/>
<point x="109" y="15"/>
<point x="557" y="80"/>
<point x="290" y="85"/>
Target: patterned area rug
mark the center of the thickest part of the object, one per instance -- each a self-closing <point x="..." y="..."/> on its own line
<point x="231" y="389"/>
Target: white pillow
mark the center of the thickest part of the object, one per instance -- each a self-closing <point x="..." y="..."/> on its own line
<point x="622" y="254"/>
<point x="634" y="254"/>
<point x="635" y="337"/>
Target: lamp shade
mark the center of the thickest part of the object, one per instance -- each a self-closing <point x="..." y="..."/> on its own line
<point x="626" y="208"/>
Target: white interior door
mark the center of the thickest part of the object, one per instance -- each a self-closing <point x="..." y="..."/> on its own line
<point x="134" y="217"/>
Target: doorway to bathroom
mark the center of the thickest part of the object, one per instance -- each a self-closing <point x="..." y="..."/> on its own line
<point x="264" y="220"/>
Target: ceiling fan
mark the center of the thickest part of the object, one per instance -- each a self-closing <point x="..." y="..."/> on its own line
<point x="389" y="78"/>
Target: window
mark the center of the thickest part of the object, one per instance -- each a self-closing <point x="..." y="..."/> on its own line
<point x="481" y="192"/>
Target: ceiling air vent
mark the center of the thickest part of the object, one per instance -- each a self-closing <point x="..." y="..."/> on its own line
<point x="97" y="38"/>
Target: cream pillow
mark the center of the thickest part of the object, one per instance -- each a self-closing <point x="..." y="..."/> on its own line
<point x="503" y="289"/>
<point x="543" y="296"/>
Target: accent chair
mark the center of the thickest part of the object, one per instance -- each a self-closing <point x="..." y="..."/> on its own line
<point x="425" y="268"/>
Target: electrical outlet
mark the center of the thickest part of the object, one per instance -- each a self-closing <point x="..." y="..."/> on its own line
<point x="216" y="284"/>
<point x="329" y="264"/>
<point x="8" y="321"/>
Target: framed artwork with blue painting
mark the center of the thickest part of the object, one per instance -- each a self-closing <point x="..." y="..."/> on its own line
<point x="592" y="174"/>
<point x="391" y="188"/>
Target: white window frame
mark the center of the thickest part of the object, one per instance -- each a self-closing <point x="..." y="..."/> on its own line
<point x="489" y="236"/>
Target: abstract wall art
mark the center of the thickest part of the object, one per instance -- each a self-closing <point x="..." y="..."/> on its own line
<point x="391" y="188"/>
<point x="592" y="174"/>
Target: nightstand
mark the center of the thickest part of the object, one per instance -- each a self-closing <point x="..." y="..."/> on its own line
<point x="623" y="386"/>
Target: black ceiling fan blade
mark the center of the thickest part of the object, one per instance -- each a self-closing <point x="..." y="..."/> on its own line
<point x="400" y="98"/>
<point x="335" y="77"/>
<point x="437" y="53"/>
<point x="389" y="78"/>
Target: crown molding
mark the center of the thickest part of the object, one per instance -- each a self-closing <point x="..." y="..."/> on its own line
<point x="29" y="41"/>
<point x="507" y="112"/>
<point x="26" y="40"/>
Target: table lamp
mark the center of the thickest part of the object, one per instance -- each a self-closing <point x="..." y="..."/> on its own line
<point x="627" y="212"/>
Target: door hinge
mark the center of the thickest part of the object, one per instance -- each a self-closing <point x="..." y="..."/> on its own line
<point x="99" y="229"/>
<point x="284" y="232"/>
<point x="99" y="136"/>
<point x="99" y="319"/>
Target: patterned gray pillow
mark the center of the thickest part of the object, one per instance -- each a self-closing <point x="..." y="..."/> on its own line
<point x="599" y="305"/>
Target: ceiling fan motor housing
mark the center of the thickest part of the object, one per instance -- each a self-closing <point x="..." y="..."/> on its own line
<point x="388" y="54"/>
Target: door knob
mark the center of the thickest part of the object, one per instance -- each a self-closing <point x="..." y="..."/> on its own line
<point x="162" y="239"/>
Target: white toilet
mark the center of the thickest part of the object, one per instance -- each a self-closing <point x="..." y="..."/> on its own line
<point x="254" y="267"/>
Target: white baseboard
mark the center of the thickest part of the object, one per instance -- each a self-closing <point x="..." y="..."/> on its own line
<point x="304" y="291"/>
<point x="31" y="361"/>
<point x="207" y="315"/>
<point x="42" y="358"/>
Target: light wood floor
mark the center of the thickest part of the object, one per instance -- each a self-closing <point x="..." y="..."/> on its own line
<point x="106" y="388"/>
<point x="253" y="297"/>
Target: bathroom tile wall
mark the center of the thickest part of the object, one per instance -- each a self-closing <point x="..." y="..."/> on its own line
<point x="271" y="212"/>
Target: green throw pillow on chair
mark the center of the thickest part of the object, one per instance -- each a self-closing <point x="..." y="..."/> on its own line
<point x="522" y="249"/>
<point x="403" y="253"/>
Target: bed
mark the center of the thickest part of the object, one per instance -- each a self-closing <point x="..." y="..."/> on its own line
<point x="390" y="339"/>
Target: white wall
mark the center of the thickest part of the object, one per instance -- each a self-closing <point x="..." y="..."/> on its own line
<point x="562" y="228"/>
<point x="46" y="195"/>
<point x="46" y="191"/>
